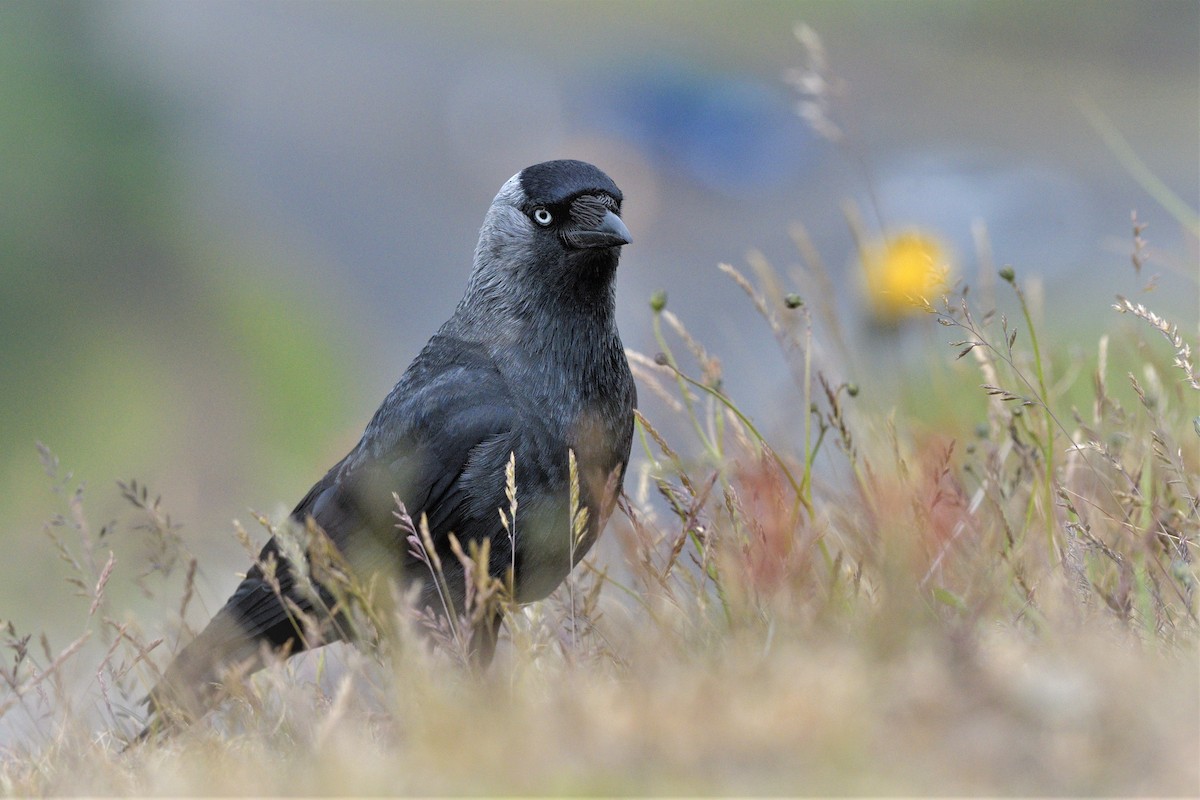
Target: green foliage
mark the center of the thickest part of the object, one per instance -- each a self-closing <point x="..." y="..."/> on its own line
<point x="126" y="315"/>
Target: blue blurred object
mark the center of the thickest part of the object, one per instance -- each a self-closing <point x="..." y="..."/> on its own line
<point x="729" y="133"/>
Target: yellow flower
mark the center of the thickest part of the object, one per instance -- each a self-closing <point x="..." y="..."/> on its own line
<point x="901" y="272"/>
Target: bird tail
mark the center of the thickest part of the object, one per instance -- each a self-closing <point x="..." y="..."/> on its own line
<point x="193" y="682"/>
<point x="268" y="615"/>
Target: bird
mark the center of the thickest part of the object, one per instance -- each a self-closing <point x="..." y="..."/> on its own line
<point x="528" y="370"/>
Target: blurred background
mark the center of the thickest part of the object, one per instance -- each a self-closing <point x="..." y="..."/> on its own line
<point x="225" y="228"/>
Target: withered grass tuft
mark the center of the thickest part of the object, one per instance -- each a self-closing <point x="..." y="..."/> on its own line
<point x="862" y="604"/>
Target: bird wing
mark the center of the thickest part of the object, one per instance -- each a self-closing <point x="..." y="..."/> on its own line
<point x="440" y="429"/>
<point x="431" y="446"/>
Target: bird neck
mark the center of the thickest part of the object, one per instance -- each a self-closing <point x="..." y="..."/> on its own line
<point x="558" y="339"/>
<point x="506" y="300"/>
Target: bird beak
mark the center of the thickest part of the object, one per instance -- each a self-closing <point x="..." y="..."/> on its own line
<point x="610" y="232"/>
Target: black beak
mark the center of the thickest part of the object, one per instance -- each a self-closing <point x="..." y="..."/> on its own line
<point x="610" y="232"/>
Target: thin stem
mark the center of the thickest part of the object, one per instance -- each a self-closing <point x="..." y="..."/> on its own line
<point x="1048" y="443"/>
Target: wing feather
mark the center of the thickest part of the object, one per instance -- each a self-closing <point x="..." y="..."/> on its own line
<point x="432" y="432"/>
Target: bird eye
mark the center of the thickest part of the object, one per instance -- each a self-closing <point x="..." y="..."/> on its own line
<point x="542" y="216"/>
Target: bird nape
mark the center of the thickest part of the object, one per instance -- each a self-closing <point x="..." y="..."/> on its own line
<point x="530" y="367"/>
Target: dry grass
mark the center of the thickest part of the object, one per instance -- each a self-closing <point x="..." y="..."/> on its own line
<point x="1009" y="609"/>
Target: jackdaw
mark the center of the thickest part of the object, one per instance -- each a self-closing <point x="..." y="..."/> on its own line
<point x="529" y="366"/>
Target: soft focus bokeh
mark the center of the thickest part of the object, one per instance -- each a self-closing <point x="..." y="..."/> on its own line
<point x="225" y="228"/>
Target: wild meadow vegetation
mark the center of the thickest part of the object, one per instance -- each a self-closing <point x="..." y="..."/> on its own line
<point x="989" y="586"/>
<point x="869" y="606"/>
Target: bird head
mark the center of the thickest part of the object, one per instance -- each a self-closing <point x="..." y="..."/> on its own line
<point x="572" y="201"/>
<point x="554" y="226"/>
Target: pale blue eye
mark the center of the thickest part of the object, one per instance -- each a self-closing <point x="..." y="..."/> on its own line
<point x="542" y="216"/>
